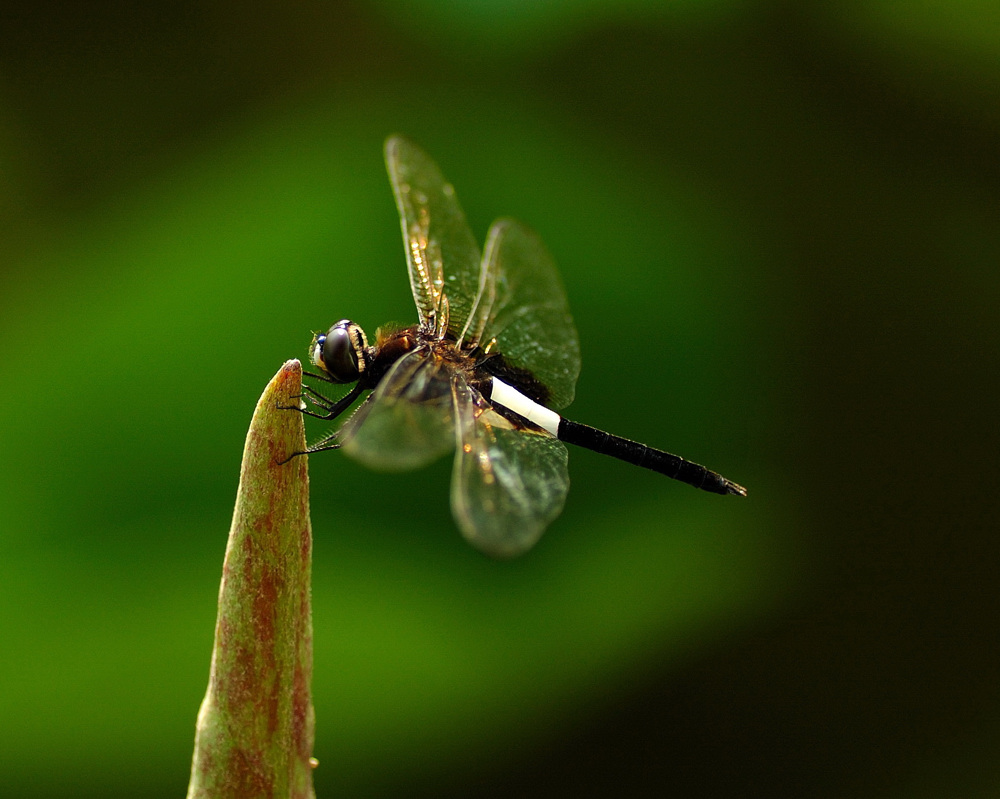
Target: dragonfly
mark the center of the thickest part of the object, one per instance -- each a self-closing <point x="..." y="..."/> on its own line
<point x="493" y="358"/>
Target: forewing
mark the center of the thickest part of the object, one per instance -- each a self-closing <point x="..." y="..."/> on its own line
<point x="507" y="484"/>
<point x="524" y="308"/>
<point x="408" y="420"/>
<point x="441" y="252"/>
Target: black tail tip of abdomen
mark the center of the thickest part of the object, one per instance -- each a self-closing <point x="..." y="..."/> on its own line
<point x="729" y="487"/>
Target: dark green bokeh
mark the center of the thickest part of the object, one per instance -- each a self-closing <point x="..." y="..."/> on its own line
<point x="778" y="232"/>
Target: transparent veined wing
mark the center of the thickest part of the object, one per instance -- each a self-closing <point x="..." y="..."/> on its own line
<point x="407" y="421"/>
<point x="507" y="485"/>
<point x="441" y="252"/>
<point x="524" y="308"/>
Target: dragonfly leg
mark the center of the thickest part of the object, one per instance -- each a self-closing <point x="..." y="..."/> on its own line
<point x="331" y="409"/>
<point x="322" y="445"/>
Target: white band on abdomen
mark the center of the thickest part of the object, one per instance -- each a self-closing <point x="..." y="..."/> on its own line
<point x="514" y="400"/>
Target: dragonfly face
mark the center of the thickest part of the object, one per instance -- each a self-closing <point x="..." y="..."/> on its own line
<point x="492" y="358"/>
<point x="342" y="352"/>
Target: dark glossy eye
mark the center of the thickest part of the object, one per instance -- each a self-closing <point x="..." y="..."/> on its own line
<point x="340" y="353"/>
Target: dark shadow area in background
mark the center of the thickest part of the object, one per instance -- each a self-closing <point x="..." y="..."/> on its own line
<point x="102" y="93"/>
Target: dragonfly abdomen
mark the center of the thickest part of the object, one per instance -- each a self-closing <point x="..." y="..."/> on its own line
<point x="647" y="457"/>
<point x="512" y="399"/>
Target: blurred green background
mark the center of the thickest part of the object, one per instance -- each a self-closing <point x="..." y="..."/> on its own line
<point x="778" y="227"/>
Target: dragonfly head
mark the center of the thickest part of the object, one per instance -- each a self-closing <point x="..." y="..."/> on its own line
<point x="341" y="352"/>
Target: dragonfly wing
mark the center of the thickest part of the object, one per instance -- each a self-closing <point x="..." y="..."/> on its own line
<point x="507" y="484"/>
<point x="407" y="422"/>
<point x="524" y="308"/>
<point x="441" y="252"/>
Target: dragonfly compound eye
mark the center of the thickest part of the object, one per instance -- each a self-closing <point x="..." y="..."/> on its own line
<point x="341" y="352"/>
